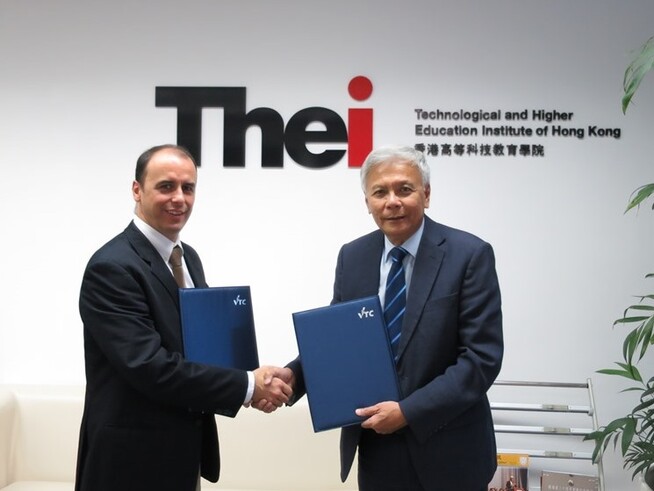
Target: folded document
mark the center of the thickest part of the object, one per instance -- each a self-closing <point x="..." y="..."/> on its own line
<point x="218" y="326"/>
<point x="346" y="360"/>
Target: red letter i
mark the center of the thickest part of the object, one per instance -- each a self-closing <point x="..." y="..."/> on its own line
<point x="359" y="140"/>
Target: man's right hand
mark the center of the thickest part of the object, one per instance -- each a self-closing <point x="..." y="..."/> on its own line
<point x="270" y="388"/>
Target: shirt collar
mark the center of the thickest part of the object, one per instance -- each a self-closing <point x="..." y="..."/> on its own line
<point x="161" y="243"/>
<point x="410" y="245"/>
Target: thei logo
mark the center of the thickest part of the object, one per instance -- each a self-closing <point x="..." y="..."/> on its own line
<point x="294" y="136"/>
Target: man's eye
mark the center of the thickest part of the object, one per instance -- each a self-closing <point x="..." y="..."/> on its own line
<point x="189" y="189"/>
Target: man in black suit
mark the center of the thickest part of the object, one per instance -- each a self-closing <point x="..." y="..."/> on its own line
<point x="449" y="349"/>
<point x="148" y="419"/>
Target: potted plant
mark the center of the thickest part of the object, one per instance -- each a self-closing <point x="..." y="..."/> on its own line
<point x="634" y="432"/>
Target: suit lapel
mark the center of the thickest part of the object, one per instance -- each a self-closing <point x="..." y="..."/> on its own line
<point x="149" y="254"/>
<point x="194" y="267"/>
<point x="370" y="262"/>
<point x="425" y="271"/>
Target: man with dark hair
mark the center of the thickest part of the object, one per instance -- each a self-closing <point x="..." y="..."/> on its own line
<point x="148" y="419"/>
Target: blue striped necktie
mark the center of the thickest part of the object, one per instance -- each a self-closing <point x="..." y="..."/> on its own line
<point x="395" y="298"/>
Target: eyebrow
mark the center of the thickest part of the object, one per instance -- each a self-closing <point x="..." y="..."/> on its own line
<point x="172" y="181"/>
<point x="399" y="183"/>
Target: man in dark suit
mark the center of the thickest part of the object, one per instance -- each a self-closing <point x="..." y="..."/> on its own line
<point x="148" y="419"/>
<point x="439" y="436"/>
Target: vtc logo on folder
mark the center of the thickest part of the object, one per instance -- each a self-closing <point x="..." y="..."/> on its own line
<point x="240" y="301"/>
<point x="366" y="313"/>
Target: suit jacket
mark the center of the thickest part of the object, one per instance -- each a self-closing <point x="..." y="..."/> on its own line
<point x="148" y="419"/>
<point x="450" y="352"/>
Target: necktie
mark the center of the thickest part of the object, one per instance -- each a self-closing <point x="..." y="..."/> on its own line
<point x="395" y="298"/>
<point x="176" y="263"/>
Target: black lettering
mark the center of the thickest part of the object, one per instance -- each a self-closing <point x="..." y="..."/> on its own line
<point x="272" y="137"/>
<point x="297" y="137"/>
<point x="189" y="102"/>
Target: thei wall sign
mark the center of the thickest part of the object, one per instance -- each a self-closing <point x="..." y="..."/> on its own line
<point x="294" y="135"/>
<point x="439" y="132"/>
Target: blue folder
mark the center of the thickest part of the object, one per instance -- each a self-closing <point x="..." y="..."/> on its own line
<point x="346" y="360"/>
<point x="218" y="326"/>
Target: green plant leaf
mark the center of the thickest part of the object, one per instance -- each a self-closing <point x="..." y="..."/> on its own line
<point x="632" y="389"/>
<point x="631" y="370"/>
<point x="639" y="469"/>
<point x="642" y="307"/>
<point x="636" y="373"/>
<point x="628" y="431"/>
<point x="616" y="424"/>
<point x="643" y="405"/>
<point x="614" y="371"/>
<point x="645" y="337"/>
<point x="627" y="320"/>
<point x="636" y="70"/>
<point x="639" y="195"/>
<point x="629" y="347"/>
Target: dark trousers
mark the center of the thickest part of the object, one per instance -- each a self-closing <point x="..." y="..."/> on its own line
<point x="385" y="464"/>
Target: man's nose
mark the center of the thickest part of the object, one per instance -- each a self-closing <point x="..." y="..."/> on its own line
<point x="393" y="200"/>
<point x="178" y="194"/>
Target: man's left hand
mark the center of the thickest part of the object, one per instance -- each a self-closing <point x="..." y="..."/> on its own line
<point x="384" y="418"/>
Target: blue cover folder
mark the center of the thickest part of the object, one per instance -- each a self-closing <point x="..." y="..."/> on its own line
<point x="218" y="326"/>
<point x="346" y="359"/>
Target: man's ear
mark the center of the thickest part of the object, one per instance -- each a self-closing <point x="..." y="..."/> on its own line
<point x="136" y="191"/>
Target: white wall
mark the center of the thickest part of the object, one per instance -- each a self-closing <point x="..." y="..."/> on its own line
<point x="77" y="107"/>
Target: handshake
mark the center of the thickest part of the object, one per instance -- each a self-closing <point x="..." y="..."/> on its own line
<point x="273" y="386"/>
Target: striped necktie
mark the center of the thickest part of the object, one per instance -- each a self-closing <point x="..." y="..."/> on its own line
<point x="395" y="298"/>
